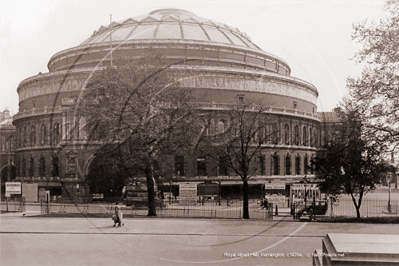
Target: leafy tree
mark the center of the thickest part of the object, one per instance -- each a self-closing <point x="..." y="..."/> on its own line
<point x="236" y="146"/>
<point x="107" y="174"/>
<point x="376" y="92"/>
<point x="140" y="113"/>
<point x="350" y="163"/>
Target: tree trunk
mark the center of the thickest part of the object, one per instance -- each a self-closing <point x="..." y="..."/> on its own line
<point x="357" y="204"/>
<point x="152" y="208"/>
<point x="245" y="197"/>
<point x="357" y="212"/>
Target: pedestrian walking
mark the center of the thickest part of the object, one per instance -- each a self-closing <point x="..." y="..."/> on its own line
<point x="265" y="204"/>
<point x="118" y="215"/>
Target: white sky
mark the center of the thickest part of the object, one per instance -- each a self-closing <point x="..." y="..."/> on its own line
<point x="312" y="36"/>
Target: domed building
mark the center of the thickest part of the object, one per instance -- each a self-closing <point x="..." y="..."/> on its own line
<point x="53" y="149"/>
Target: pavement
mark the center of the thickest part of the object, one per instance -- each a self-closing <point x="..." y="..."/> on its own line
<point x="28" y="239"/>
<point x="31" y="240"/>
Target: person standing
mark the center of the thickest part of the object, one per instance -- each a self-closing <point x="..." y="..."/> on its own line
<point x="266" y="204"/>
<point x="118" y="215"/>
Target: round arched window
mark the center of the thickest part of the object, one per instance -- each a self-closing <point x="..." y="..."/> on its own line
<point x="221" y="126"/>
<point x="286" y="134"/>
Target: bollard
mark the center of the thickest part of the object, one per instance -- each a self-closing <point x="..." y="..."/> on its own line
<point x="276" y="209"/>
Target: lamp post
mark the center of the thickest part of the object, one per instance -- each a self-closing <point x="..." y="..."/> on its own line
<point x="47" y="198"/>
<point x="304" y="183"/>
<point x="170" y="192"/>
<point x="389" y="178"/>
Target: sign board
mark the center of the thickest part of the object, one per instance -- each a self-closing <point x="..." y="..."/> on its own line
<point x="275" y="199"/>
<point x="208" y="190"/>
<point x="302" y="186"/>
<point x="187" y="193"/>
<point x="275" y="186"/>
<point x="68" y="101"/>
<point x="188" y="190"/>
<point x="13" y="187"/>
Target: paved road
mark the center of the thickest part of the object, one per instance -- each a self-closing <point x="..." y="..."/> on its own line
<point x="165" y="241"/>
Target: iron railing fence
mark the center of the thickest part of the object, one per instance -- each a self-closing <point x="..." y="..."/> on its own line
<point x="210" y="209"/>
<point x="370" y="207"/>
<point x="14" y="204"/>
<point x="224" y="209"/>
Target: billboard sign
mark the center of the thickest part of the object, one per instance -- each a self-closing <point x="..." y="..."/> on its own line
<point x="13" y="187"/>
<point x="275" y="198"/>
<point x="275" y="186"/>
<point x="188" y="191"/>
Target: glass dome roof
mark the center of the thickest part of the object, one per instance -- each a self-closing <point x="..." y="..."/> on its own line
<point x="170" y="24"/>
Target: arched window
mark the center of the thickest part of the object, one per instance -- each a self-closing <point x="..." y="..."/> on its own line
<point x="31" y="167"/>
<point x="305" y="137"/>
<point x="19" y="137"/>
<point x="3" y="143"/>
<point x="42" y="166"/>
<point x="298" y="165"/>
<point x="296" y="135"/>
<point x="305" y="164"/>
<point x="288" y="164"/>
<point x="311" y="137"/>
<point x="43" y="135"/>
<point x="179" y="165"/>
<point x="221" y="126"/>
<point x="312" y="165"/>
<point x="316" y="143"/>
<point x="25" y="137"/>
<point x="223" y="166"/>
<point x="237" y="130"/>
<point x="56" y="166"/>
<point x="76" y="131"/>
<point x="32" y="137"/>
<point x="286" y="134"/>
<point x="260" y="133"/>
<point x="275" y="164"/>
<point x="274" y="134"/>
<point x="12" y="143"/>
<point x="56" y="134"/>
<point x="201" y="166"/>
<point x="18" y="169"/>
<point x="23" y="167"/>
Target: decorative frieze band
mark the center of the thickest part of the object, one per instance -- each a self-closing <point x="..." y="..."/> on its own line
<point x="50" y="86"/>
<point x="260" y="85"/>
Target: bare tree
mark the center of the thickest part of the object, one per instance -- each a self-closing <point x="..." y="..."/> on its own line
<point x="236" y="146"/>
<point x="140" y="113"/>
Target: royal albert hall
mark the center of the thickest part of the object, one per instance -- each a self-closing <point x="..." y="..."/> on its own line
<point x="54" y="152"/>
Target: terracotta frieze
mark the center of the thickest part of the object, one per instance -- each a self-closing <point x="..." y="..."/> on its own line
<point x="261" y="85"/>
<point x="51" y="86"/>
